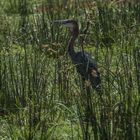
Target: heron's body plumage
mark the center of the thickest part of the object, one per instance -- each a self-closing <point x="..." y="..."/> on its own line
<point x="87" y="68"/>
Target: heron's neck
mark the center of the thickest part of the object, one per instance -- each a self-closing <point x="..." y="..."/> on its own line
<point x="71" y="46"/>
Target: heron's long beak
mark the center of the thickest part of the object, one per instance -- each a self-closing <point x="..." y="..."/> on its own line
<point x="65" y="23"/>
<point x="62" y="22"/>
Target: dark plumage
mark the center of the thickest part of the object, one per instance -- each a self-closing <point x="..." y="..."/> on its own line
<point x="85" y="65"/>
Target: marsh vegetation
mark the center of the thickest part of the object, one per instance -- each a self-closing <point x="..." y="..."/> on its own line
<point x="41" y="94"/>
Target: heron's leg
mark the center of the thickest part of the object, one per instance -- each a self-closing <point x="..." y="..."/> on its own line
<point x="83" y="81"/>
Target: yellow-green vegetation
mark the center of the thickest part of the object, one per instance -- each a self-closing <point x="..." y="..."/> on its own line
<point x="41" y="94"/>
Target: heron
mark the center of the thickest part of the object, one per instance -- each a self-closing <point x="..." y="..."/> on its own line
<point x="86" y="66"/>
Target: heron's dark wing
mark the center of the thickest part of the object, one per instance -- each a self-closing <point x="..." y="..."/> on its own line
<point x="93" y="73"/>
<point x="87" y="67"/>
<point x="90" y="62"/>
<point x="85" y="62"/>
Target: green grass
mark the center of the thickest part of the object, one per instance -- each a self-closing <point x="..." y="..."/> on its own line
<point x="41" y="94"/>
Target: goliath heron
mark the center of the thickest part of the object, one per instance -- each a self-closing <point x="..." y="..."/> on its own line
<point x="84" y="63"/>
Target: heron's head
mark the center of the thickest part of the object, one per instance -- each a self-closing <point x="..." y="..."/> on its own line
<point x="71" y="24"/>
